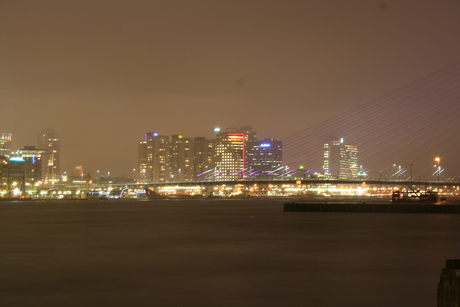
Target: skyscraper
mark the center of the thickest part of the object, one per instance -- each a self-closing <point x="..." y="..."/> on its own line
<point x="340" y="160"/>
<point x="349" y="162"/>
<point x="5" y="144"/>
<point x="250" y="134"/>
<point x="49" y="141"/>
<point x="4" y="176"/>
<point x="16" y="175"/>
<point x="181" y="158"/>
<point x="154" y="158"/>
<point x="263" y="157"/>
<point x="230" y="153"/>
<point x="203" y="158"/>
<point x="37" y="163"/>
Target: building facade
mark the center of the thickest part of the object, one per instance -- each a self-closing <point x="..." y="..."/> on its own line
<point x="230" y="152"/>
<point x="180" y="159"/>
<point x="37" y="164"/>
<point x="203" y="158"/>
<point x="177" y="158"/>
<point x="23" y="172"/>
<point x="263" y="158"/>
<point x="340" y="160"/>
<point x="153" y="158"/>
<point x="49" y="140"/>
<point x="16" y="176"/>
<point x="5" y="144"/>
<point x="250" y="134"/>
<point x="4" y="176"/>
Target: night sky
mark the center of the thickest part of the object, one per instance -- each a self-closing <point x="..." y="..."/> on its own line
<point x="102" y="73"/>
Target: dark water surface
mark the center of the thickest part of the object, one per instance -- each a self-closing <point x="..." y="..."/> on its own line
<point x="218" y="253"/>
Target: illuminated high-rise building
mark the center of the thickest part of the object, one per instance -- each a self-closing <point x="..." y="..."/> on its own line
<point x="37" y="164"/>
<point x="203" y="158"/>
<point x="5" y="144"/>
<point x="16" y="175"/>
<point x="230" y="151"/>
<point x="250" y="134"/>
<point x="49" y="141"/>
<point x="340" y="160"/>
<point x="154" y="158"/>
<point x="4" y="189"/>
<point x="181" y="159"/>
<point x="23" y="173"/>
<point x="263" y="158"/>
<point x="178" y="158"/>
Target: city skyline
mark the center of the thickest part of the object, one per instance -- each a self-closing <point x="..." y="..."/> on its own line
<point x="190" y="158"/>
<point x="103" y="73"/>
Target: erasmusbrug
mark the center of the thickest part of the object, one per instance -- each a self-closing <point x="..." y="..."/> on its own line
<point x="398" y="135"/>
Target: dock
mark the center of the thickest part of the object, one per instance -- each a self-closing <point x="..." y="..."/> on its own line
<point x="373" y="208"/>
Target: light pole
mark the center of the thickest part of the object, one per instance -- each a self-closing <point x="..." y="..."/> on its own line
<point x="439" y="167"/>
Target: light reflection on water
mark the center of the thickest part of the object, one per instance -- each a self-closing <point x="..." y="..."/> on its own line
<point x="218" y="253"/>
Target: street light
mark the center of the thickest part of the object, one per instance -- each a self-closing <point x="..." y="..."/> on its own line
<point x="439" y="167"/>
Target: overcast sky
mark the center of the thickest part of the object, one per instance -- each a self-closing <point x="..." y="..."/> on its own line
<point x="102" y="73"/>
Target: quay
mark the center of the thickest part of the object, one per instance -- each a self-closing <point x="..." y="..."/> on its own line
<point x="372" y="208"/>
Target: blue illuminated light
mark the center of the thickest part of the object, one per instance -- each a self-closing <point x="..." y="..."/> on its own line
<point x="18" y="159"/>
<point x="155" y="134"/>
<point x="265" y="145"/>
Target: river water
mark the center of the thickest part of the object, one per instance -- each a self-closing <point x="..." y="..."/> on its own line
<point x="218" y="253"/>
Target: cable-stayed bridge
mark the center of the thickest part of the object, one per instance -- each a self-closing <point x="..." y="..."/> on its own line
<point x="398" y="135"/>
<point x="410" y="133"/>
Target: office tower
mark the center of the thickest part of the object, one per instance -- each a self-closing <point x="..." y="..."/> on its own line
<point x="37" y="164"/>
<point x="250" y="134"/>
<point x="5" y="144"/>
<point x="178" y="158"/>
<point x="349" y="163"/>
<point x="340" y="160"/>
<point x="16" y="176"/>
<point x="154" y="158"/>
<point x="24" y="172"/>
<point x="263" y="158"/>
<point x="203" y="158"/>
<point x="49" y="141"/>
<point x="181" y="158"/>
<point x="332" y="157"/>
<point x="230" y="156"/>
<point x="3" y="176"/>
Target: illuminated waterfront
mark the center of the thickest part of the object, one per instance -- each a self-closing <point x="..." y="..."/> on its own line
<point x="247" y="188"/>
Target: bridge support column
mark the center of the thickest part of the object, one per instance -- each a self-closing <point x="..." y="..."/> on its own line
<point x="449" y="284"/>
